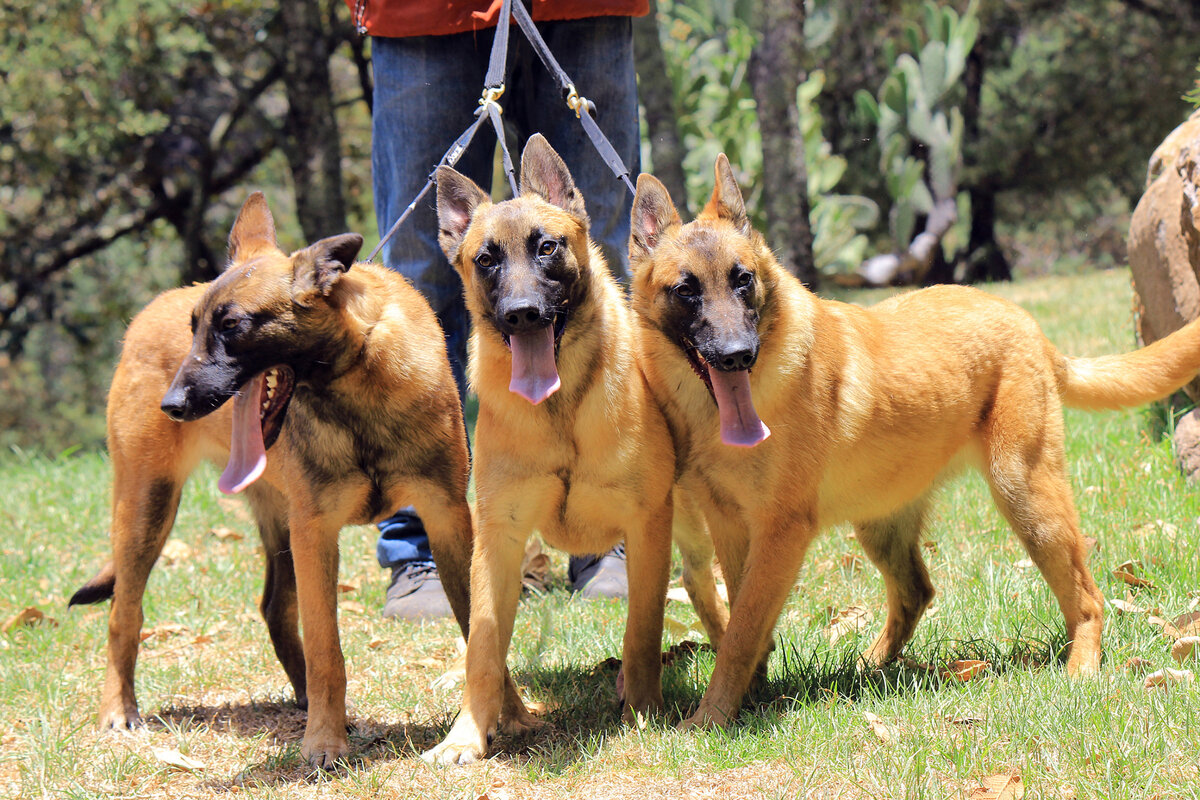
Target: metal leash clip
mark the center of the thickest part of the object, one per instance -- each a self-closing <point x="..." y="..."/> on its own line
<point x="577" y="102"/>
<point x="491" y="94"/>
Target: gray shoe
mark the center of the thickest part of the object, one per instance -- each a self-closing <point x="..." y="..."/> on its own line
<point x="416" y="593"/>
<point x="595" y="577"/>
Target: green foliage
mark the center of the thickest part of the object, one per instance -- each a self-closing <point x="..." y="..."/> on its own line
<point x="837" y="219"/>
<point x="919" y="124"/>
<point x="707" y="52"/>
<point x="1193" y="96"/>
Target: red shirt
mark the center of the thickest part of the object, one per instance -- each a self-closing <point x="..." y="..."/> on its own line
<point x="439" y="17"/>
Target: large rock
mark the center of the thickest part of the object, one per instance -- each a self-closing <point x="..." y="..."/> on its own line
<point x="1164" y="239"/>
<point x="1164" y="257"/>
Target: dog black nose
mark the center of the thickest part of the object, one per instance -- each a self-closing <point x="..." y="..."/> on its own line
<point x="521" y="315"/>
<point x="740" y="359"/>
<point x="175" y="403"/>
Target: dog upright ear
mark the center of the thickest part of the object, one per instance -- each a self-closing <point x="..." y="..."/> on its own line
<point x="653" y="216"/>
<point x="545" y="174"/>
<point x="253" y="231"/>
<point x="726" y="202"/>
<point x="457" y="198"/>
<point x="316" y="268"/>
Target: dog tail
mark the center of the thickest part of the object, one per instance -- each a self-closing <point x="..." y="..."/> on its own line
<point x="98" y="589"/>
<point x="1132" y="379"/>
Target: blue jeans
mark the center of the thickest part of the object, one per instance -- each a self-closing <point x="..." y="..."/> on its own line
<point x="426" y="91"/>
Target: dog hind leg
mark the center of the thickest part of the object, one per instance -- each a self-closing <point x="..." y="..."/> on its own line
<point x="690" y="532"/>
<point x="893" y="545"/>
<point x="144" y="504"/>
<point x="1025" y="468"/>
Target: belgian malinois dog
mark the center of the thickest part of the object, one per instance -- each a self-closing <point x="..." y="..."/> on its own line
<point x="343" y="410"/>
<point x="569" y="440"/>
<point x="797" y="413"/>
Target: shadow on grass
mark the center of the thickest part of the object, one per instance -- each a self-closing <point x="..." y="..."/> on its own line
<point x="582" y="707"/>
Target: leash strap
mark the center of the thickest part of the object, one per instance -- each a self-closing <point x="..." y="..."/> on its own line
<point x="584" y="109"/>
<point x="490" y="109"/>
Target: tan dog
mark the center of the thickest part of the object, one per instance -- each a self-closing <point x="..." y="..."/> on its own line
<point x="341" y="376"/>
<point x="569" y="441"/>
<point x="868" y="409"/>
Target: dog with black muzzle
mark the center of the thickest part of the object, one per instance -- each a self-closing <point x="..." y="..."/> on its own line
<point x="324" y="387"/>
<point x="870" y="409"/>
<point x="569" y="440"/>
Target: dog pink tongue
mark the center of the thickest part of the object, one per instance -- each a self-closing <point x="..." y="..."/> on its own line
<point x="740" y="425"/>
<point x="534" y="374"/>
<point x="247" y="454"/>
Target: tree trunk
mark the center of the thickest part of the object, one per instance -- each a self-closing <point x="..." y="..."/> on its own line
<point x="985" y="261"/>
<point x="311" y="143"/>
<point x="658" y="100"/>
<point x="776" y="69"/>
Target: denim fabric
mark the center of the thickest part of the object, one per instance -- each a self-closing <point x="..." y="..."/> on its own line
<point x="426" y="91"/>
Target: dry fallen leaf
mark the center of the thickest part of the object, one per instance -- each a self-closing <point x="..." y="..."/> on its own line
<point x="965" y="670"/>
<point x="226" y="534"/>
<point x="25" y="618"/>
<point x="999" y="787"/>
<point x="1185" y="648"/>
<point x="1128" y="572"/>
<point x="203" y="638"/>
<point x="176" y="759"/>
<point x="852" y="620"/>
<point x="375" y="644"/>
<point x="966" y="720"/>
<point x="1128" y="607"/>
<point x="1168" y="677"/>
<point x="1168" y="630"/>
<point x="675" y="627"/>
<point x="1188" y="624"/>
<point x="1137" y="665"/>
<point x="164" y="630"/>
<point x="347" y="586"/>
<point x="881" y="731"/>
<point x="175" y="551"/>
<point x="852" y="562"/>
<point x="352" y="607"/>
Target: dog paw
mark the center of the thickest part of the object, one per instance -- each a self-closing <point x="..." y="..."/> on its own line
<point x="705" y="718"/>
<point x="520" y="723"/>
<point x="124" y="718"/>
<point x="324" y="752"/>
<point x="457" y="751"/>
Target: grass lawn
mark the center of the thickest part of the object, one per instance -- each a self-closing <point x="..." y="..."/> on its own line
<point x="211" y="690"/>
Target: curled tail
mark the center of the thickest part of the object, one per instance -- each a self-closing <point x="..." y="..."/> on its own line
<point x="1132" y="379"/>
<point x="97" y="589"/>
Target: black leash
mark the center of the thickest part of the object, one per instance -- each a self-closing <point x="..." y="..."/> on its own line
<point x="490" y="109"/>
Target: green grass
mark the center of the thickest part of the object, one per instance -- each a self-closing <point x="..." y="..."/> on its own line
<point x="211" y="688"/>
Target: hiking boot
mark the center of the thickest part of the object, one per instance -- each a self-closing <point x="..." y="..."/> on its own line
<point x="416" y="593"/>
<point x="596" y="577"/>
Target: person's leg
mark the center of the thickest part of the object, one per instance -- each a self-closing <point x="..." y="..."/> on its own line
<point x="597" y="54"/>
<point x="426" y="91"/>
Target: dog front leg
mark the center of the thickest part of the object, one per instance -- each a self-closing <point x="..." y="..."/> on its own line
<point x="775" y="554"/>
<point x="648" y="566"/>
<point x="495" y="592"/>
<point x="315" y="558"/>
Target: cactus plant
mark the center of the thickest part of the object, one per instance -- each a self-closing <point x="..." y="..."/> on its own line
<point x="920" y="137"/>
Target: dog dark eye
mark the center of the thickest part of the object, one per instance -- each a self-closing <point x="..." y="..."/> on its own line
<point x="743" y="280"/>
<point x="685" y="290"/>
<point x="484" y="261"/>
<point x="548" y="247"/>
<point x="229" y="324"/>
